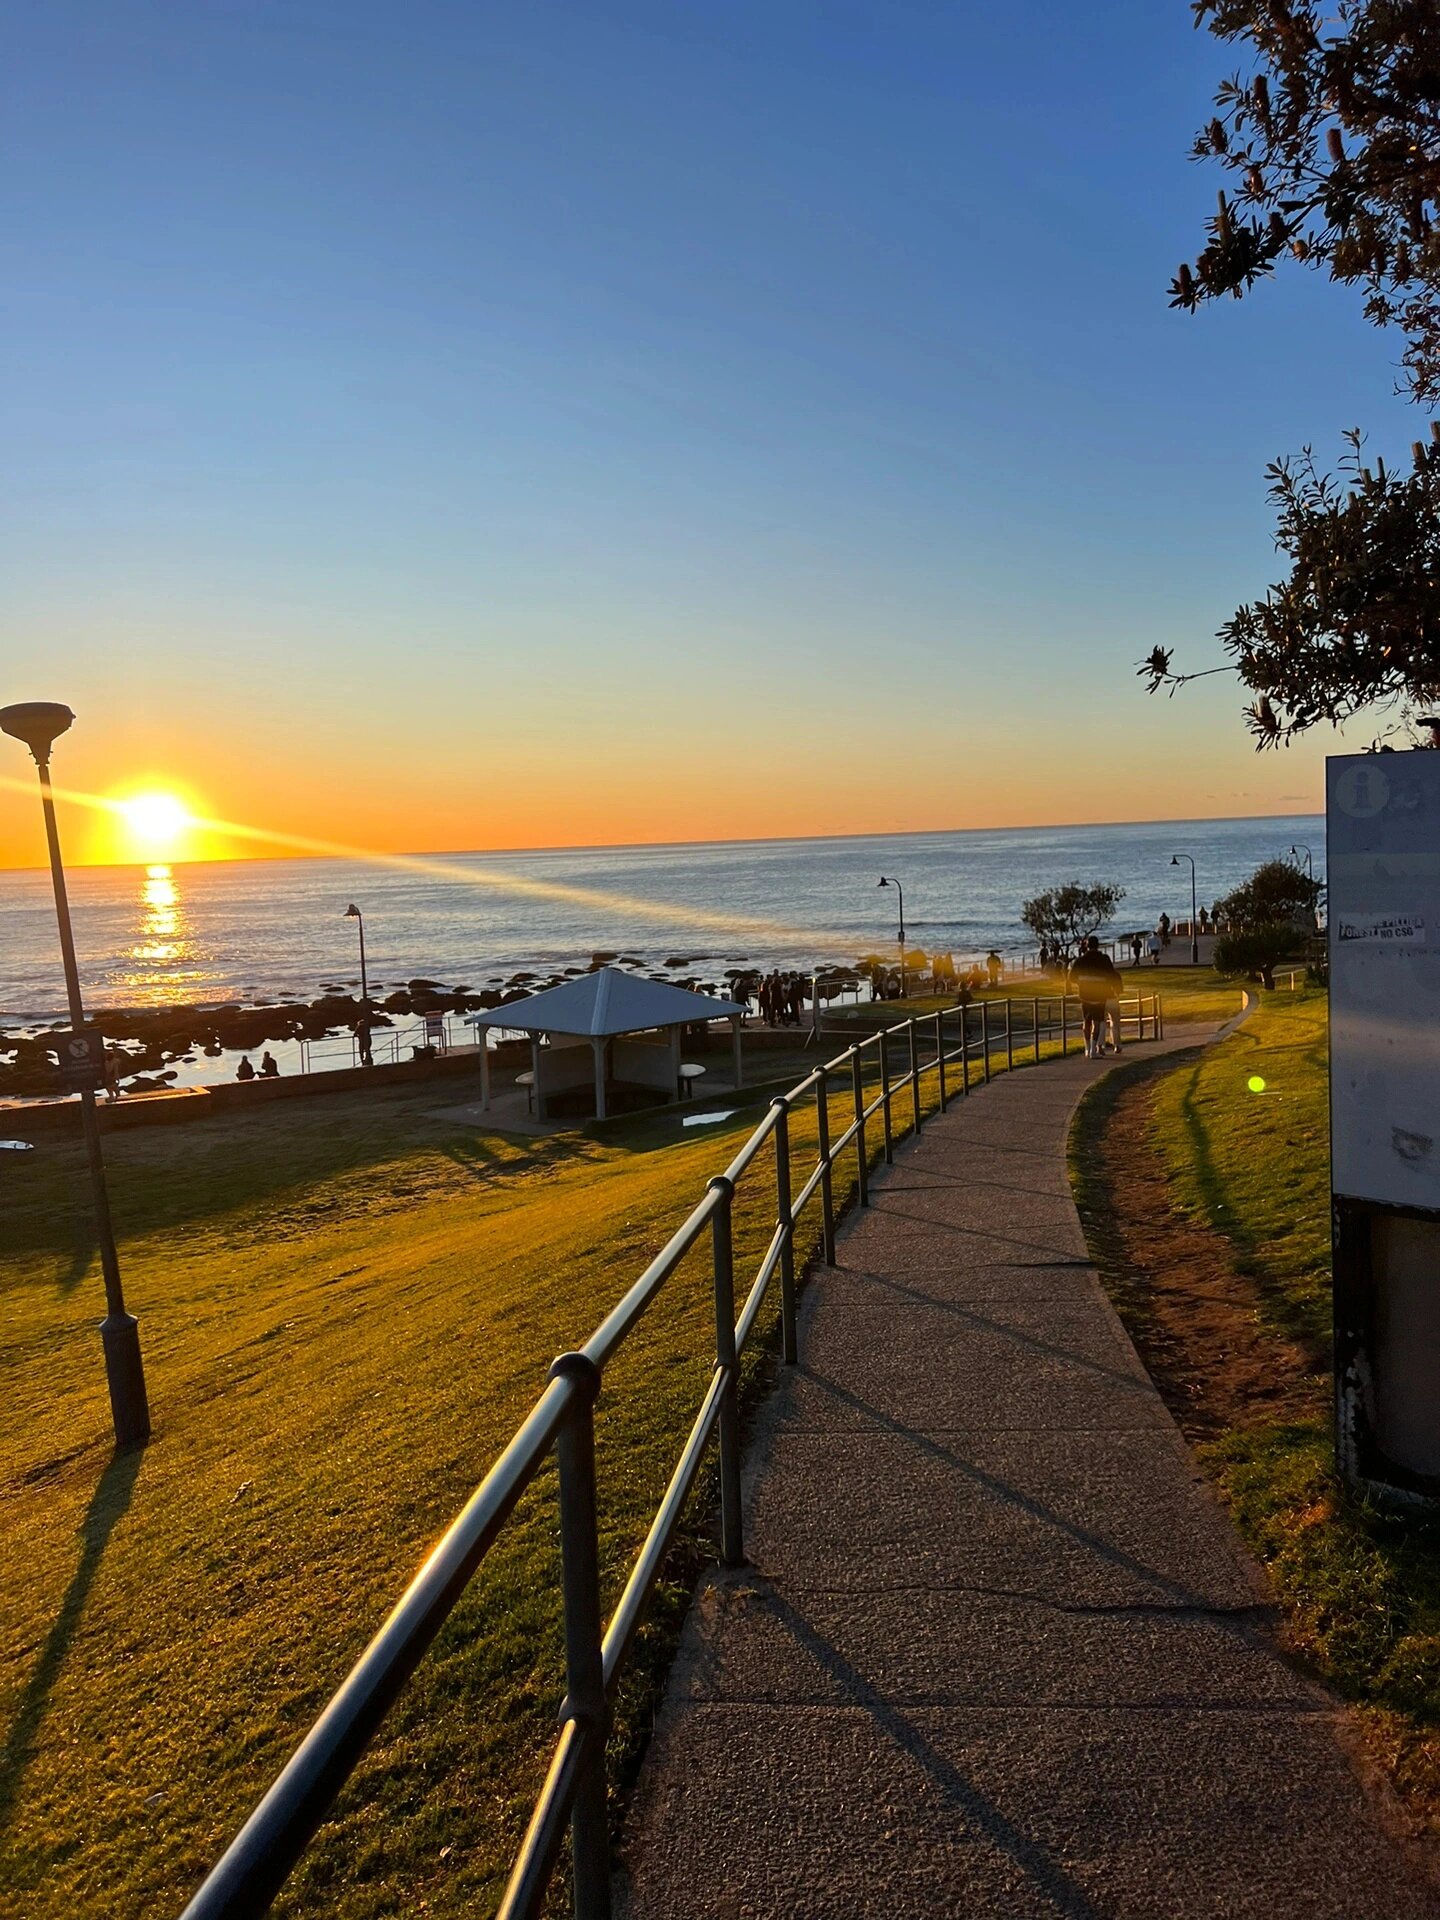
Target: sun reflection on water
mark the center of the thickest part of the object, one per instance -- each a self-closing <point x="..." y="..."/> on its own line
<point x="164" y="933"/>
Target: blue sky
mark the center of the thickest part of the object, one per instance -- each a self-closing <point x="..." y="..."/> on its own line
<point x="581" y="412"/>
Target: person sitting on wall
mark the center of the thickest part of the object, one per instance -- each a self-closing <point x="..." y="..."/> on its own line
<point x="269" y="1066"/>
<point x="245" y="1071"/>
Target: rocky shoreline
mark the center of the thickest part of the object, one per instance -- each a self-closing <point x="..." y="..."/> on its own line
<point x="149" y="1040"/>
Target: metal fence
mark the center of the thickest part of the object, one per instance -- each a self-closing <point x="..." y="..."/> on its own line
<point x="962" y="1048"/>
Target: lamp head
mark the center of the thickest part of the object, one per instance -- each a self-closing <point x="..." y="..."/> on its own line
<point x="352" y="912"/>
<point x="1174" y="859"/>
<point x="883" y="881"/>
<point x="39" y="723"/>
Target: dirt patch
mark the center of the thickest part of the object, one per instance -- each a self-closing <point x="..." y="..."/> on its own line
<point x="1196" y="1321"/>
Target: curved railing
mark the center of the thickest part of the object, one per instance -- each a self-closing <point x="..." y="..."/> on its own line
<point x="963" y="1044"/>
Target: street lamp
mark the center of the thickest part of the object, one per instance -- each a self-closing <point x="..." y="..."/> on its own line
<point x="901" y="891"/>
<point x="38" y="723"/>
<point x="352" y="912"/>
<point x="1194" y="923"/>
<point x="1309" y="858"/>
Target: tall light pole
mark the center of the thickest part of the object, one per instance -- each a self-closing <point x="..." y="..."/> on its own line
<point x="901" y="891"/>
<point x="39" y="723"/>
<point x="1194" y="923"/>
<point x="1300" y="847"/>
<point x="352" y="912"/>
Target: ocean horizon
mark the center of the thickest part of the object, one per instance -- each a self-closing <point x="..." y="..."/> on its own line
<point x="258" y="929"/>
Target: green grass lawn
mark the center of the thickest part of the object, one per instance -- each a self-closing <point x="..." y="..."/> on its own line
<point x="1189" y="993"/>
<point x="1363" y="1590"/>
<point x="347" y="1303"/>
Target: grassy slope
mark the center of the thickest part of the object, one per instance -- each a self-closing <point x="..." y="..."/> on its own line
<point x="346" y="1305"/>
<point x="1363" y="1591"/>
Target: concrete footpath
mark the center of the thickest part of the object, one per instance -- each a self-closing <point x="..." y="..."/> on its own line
<point x="997" y="1652"/>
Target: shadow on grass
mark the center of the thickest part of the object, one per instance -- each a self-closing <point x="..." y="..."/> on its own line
<point x="1092" y="1182"/>
<point x="108" y="1504"/>
<point x="75" y="1265"/>
<point x="1298" y="1319"/>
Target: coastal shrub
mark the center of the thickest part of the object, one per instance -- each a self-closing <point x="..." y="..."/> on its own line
<point x="1255" y="952"/>
<point x="1063" y="916"/>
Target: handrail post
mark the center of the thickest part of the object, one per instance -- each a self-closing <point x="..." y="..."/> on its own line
<point x="940" y="1051"/>
<point x="964" y="1047"/>
<point x="914" y="1072"/>
<point x="827" y="1191"/>
<point x="787" y="1222"/>
<point x="584" y="1671"/>
<point x="885" y="1095"/>
<point x="985" y="1037"/>
<point x="1064" y="1027"/>
<point x="862" y="1164"/>
<point x="732" y="1530"/>
<point x="1035" y="1017"/>
<point x="1009" y="1031"/>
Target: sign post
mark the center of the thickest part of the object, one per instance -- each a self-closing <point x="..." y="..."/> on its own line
<point x="1383" y="822"/>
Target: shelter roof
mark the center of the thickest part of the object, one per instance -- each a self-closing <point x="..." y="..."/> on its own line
<point x="605" y="1002"/>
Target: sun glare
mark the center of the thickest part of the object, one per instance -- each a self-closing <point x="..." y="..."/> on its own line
<point x="155" y="824"/>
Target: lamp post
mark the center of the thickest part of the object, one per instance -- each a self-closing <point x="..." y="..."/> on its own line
<point x="352" y="912"/>
<point x="1300" y="847"/>
<point x="1175" y="860"/>
<point x="904" y="990"/>
<point x="38" y="723"/>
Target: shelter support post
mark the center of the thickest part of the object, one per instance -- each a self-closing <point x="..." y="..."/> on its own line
<point x="598" y="1045"/>
<point x="484" y="1069"/>
<point x="737" y="1048"/>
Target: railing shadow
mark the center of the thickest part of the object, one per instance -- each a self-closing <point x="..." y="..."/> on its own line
<point x="1045" y="1873"/>
<point x="108" y="1504"/>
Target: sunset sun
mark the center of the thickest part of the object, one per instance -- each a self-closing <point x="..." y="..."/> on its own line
<point x="155" y="824"/>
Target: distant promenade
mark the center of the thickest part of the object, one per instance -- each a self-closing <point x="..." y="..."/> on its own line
<point x="996" y="1652"/>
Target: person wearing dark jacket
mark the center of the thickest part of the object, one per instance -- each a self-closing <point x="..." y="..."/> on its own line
<point x="1096" y="979"/>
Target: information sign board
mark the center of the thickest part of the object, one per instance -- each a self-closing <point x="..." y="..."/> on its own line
<point x="1383" y="872"/>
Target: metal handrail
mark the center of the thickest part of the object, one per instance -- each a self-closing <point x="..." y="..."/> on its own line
<point x="259" y="1859"/>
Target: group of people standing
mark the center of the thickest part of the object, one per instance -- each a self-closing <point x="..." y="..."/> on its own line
<point x="780" y="997"/>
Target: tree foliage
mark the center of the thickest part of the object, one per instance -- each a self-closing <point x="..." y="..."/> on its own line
<point x="1063" y="916"/>
<point x="1255" y="953"/>
<point x="1278" y="894"/>
<point x="1356" y="625"/>
<point x="1332" y="146"/>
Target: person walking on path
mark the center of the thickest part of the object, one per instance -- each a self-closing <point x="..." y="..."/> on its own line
<point x="1152" y="947"/>
<point x="994" y="966"/>
<point x="1137" y="941"/>
<point x="1097" y="980"/>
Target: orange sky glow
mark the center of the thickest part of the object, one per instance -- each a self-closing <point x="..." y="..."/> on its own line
<point x="177" y="812"/>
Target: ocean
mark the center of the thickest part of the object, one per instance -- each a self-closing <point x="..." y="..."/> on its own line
<point x="255" y="930"/>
